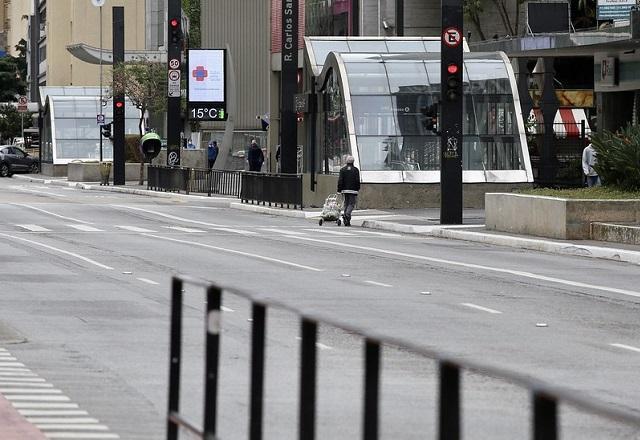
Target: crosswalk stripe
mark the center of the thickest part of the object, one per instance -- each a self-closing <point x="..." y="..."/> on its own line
<point x="70" y="427"/>
<point x="183" y="229"/>
<point x="327" y="231"/>
<point x="44" y="405"/>
<point x="21" y="379"/>
<point x="85" y="228"/>
<point x="236" y="231"/>
<point x="11" y="364"/>
<point x="24" y="397"/>
<point x="28" y="391"/>
<point x="34" y="228"/>
<point x="283" y="231"/>
<point x="133" y="228"/>
<point x="25" y="384"/>
<point x="81" y="435"/>
<point x="63" y="420"/>
<point x="52" y="412"/>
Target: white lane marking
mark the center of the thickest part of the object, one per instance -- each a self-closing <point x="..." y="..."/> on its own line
<point x="28" y="391"/>
<point x="233" y="251"/>
<point x="226" y="309"/>
<point x="24" y="384"/>
<point x="60" y="420"/>
<point x="38" y="192"/>
<point x="44" y="405"/>
<point x="75" y="220"/>
<point x="62" y="251"/>
<point x="71" y="427"/>
<point x="375" y="283"/>
<point x="52" y="412"/>
<point x="7" y="358"/>
<point x="236" y="231"/>
<point x="283" y="231"/>
<point x="477" y="266"/>
<point x="318" y="344"/>
<point x="22" y="379"/>
<point x="484" y="309"/>
<point x="28" y="398"/>
<point x="172" y="217"/>
<point x="81" y="435"/>
<point x="183" y="229"/>
<point x="85" y="228"/>
<point x="9" y="372"/>
<point x="34" y="228"/>
<point x="382" y="234"/>
<point x="626" y="347"/>
<point x="14" y="369"/>
<point x="133" y="228"/>
<point x="327" y="231"/>
<point x="148" y="281"/>
<point x="11" y="364"/>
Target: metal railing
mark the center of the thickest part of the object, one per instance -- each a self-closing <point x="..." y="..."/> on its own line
<point x="196" y="180"/>
<point x="545" y="398"/>
<point x="272" y="188"/>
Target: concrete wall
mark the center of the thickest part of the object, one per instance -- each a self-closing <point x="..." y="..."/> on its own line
<point x="564" y="219"/>
<point x="90" y="172"/>
<point x="401" y="195"/>
<point x="188" y="158"/>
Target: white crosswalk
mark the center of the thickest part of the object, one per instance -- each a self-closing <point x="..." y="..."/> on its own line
<point x="47" y="408"/>
<point x="257" y="231"/>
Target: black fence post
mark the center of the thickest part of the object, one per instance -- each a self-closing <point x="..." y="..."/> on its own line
<point x="371" y="389"/>
<point x="174" y="356"/>
<point x="545" y="417"/>
<point x="214" y="321"/>
<point x="449" y="402"/>
<point x="308" y="380"/>
<point x="257" y="372"/>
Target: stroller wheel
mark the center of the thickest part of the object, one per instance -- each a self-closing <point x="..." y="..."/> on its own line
<point x="320" y="222"/>
<point x="338" y="222"/>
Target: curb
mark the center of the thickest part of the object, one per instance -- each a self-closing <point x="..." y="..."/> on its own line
<point x="274" y="211"/>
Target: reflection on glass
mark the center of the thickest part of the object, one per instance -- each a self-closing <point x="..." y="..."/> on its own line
<point x="368" y="46"/>
<point x="404" y="46"/>
<point x="335" y="143"/>
<point x="367" y="79"/>
<point x="407" y="77"/>
<point x="374" y="115"/>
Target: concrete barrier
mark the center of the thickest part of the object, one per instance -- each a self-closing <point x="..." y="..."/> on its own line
<point x="90" y="172"/>
<point x="628" y="234"/>
<point x="565" y="219"/>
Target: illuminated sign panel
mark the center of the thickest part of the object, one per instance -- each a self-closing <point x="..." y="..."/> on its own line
<point x="206" y="79"/>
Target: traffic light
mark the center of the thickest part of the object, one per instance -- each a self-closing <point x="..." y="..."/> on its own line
<point x="430" y="118"/>
<point x="118" y="108"/>
<point x="106" y="130"/>
<point x="454" y="83"/>
<point x="175" y="32"/>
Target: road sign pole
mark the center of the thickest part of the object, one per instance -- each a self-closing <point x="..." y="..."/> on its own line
<point x="174" y="63"/>
<point x="118" y="99"/>
<point x="451" y="99"/>
<point x="100" y="133"/>
<point x="289" y="87"/>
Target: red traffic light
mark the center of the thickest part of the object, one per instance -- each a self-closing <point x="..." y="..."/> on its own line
<point x="174" y="22"/>
<point x="119" y="104"/>
<point x="452" y="69"/>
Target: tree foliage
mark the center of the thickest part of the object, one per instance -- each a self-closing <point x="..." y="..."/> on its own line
<point x="11" y="122"/>
<point x="619" y="157"/>
<point x="11" y="83"/>
<point x="191" y="9"/>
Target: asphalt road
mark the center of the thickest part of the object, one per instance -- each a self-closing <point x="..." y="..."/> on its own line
<point x="85" y="279"/>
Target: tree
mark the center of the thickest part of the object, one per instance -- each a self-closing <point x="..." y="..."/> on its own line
<point x="473" y="10"/>
<point x="145" y="84"/>
<point x="11" y="122"/>
<point x="11" y="83"/>
<point x="191" y="9"/>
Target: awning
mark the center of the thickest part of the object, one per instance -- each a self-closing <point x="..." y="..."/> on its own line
<point x="567" y="122"/>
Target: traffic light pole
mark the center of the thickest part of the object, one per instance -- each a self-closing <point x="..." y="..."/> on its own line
<point x="174" y="61"/>
<point x="451" y="100"/>
<point x="289" y="87"/>
<point x="118" y="99"/>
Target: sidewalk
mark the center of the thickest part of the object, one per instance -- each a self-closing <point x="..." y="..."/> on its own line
<point x="406" y="221"/>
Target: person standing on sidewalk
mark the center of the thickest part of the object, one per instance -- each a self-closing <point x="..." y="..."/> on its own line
<point x="349" y="185"/>
<point x="589" y="159"/>
<point x="255" y="156"/>
<point x="212" y="153"/>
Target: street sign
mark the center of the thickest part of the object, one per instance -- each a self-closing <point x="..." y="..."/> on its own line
<point x="100" y="119"/>
<point x="452" y="37"/>
<point x="173" y="89"/>
<point x="174" y="63"/>
<point x="22" y="104"/>
<point x="98" y="3"/>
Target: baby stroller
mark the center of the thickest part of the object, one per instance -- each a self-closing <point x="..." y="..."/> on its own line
<point x="332" y="209"/>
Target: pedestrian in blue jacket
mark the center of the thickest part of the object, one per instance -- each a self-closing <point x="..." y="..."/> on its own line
<point x="212" y="153"/>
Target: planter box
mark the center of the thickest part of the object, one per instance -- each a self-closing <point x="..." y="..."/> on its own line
<point x="90" y="172"/>
<point x="565" y="219"/>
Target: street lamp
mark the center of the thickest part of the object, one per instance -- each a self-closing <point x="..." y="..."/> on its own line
<point x="100" y="4"/>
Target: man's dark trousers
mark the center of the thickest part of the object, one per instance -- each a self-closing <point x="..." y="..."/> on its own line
<point x="349" y="205"/>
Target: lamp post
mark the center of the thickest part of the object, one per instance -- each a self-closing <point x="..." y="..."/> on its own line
<point x="100" y="4"/>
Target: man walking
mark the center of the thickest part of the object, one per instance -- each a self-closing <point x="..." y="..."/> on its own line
<point x="349" y="185"/>
<point x="212" y="153"/>
<point x="589" y="159"/>
<point x="255" y="156"/>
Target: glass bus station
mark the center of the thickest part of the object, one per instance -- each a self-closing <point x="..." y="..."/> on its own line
<point x="373" y="96"/>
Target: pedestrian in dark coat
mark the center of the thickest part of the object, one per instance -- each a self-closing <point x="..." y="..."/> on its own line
<point x="212" y="153"/>
<point x="255" y="156"/>
<point x="349" y="185"/>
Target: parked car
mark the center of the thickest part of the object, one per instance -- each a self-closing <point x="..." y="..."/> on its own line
<point x="16" y="160"/>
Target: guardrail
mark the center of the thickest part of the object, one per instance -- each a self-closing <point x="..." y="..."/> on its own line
<point x="279" y="189"/>
<point x="198" y="180"/>
<point x="545" y="397"/>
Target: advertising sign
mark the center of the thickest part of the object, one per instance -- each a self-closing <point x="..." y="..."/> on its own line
<point x="206" y="90"/>
<point x="614" y="9"/>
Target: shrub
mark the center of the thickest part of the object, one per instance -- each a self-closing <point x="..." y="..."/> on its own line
<point x="131" y="150"/>
<point x="619" y="157"/>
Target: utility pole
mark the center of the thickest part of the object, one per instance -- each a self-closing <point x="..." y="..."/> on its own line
<point x="451" y="100"/>
<point x="289" y="87"/>
<point x="174" y="63"/>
